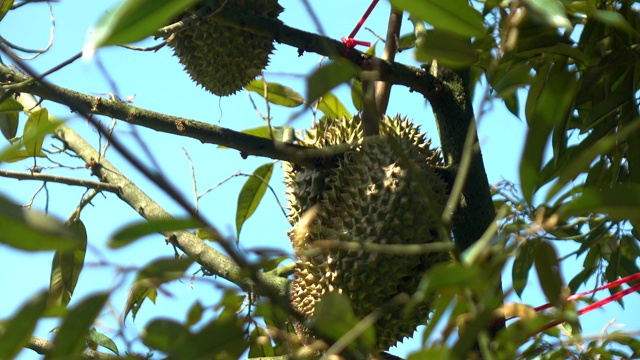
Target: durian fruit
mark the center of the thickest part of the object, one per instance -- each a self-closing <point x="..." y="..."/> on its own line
<point x="383" y="191"/>
<point x="223" y="59"/>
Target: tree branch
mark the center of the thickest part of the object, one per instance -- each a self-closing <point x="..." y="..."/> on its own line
<point x="205" y="132"/>
<point x="214" y="261"/>
<point x="383" y="89"/>
<point x="45" y="347"/>
<point x="100" y="186"/>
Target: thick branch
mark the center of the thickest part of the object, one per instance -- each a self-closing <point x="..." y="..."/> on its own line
<point x="100" y="186"/>
<point x="205" y="132"/>
<point x="416" y="79"/>
<point x="45" y="347"/>
<point x="211" y="259"/>
<point x="383" y="89"/>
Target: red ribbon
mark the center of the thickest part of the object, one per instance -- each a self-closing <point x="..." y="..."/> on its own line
<point x="349" y="41"/>
<point x="598" y="304"/>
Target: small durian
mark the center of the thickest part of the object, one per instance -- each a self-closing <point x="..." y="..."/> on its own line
<point x="384" y="191"/>
<point x="223" y="59"/>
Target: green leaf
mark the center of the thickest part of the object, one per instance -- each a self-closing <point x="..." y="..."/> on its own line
<point x="5" y="6"/>
<point x="32" y="230"/>
<point x="356" y="94"/>
<point x="613" y="19"/>
<point x="18" y="330"/>
<point x="432" y="353"/>
<point x="449" y="49"/>
<point x="71" y="336"/>
<point x="137" y="230"/>
<point x="35" y="130"/>
<point x="551" y="12"/>
<point x="9" y="112"/>
<point x="260" y="343"/>
<point x="66" y="267"/>
<point x="332" y="107"/>
<point x="334" y="317"/>
<point x="521" y="266"/>
<point x="581" y="161"/>
<point x="163" y="334"/>
<point x="621" y="202"/>
<point x="276" y="93"/>
<point x="98" y="338"/>
<point x="545" y="259"/>
<point x="152" y="277"/>
<point x="328" y="77"/>
<point x="134" y="20"/>
<point x="195" y="314"/>
<point x="251" y="194"/>
<point x="455" y="16"/>
<point x="21" y="154"/>
<point x="549" y="103"/>
<point x="280" y="133"/>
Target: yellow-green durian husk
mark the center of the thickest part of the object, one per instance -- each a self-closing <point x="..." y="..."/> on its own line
<point x="383" y="191"/>
<point x="224" y="59"/>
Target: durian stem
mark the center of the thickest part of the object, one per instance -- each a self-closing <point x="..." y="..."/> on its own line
<point x="370" y="115"/>
<point x="383" y="88"/>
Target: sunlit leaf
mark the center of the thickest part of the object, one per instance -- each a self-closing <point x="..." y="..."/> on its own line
<point x="71" y="335"/>
<point x="279" y="133"/>
<point x="32" y="230"/>
<point x="551" y="12"/>
<point x="103" y="340"/>
<point x="332" y="107"/>
<point x="195" y="313"/>
<point x="35" y="130"/>
<point x="545" y="259"/>
<point x="21" y="154"/>
<point x="133" y="232"/>
<point x="328" y="77"/>
<point x="133" y="20"/>
<point x="613" y="19"/>
<point x="5" y="6"/>
<point x="251" y="194"/>
<point x="66" y="267"/>
<point x="455" y="16"/>
<point x="276" y="93"/>
<point x="18" y="330"/>
<point x="449" y="49"/>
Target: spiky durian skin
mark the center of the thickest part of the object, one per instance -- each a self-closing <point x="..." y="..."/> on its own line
<point x="220" y="58"/>
<point x="383" y="191"/>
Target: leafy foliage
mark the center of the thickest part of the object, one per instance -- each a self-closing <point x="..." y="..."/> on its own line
<point x="569" y="70"/>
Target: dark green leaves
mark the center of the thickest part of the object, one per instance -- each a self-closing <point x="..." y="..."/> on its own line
<point x="449" y="49"/>
<point x="329" y="76"/>
<point x="5" y="6"/>
<point x="150" y="278"/>
<point x="133" y="232"/>
<point x="455" y="16"/>
<point x="548" y="105"/>
<point x="621" y="202"/>
<point x="251" y="194"/>
<point x="9" y="113"/>
<point x="545" y="259"/>
<point x="72" y="334"/>
<point x="66" y="267"/>
<point x="18" y="329"/>
<point x="134" y="20"/>
<point x="34" y="231"/>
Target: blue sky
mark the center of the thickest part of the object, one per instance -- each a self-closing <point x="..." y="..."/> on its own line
<point x="158" y="83"/>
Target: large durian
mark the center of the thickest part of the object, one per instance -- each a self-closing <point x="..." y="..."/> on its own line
<point x="223" y="59"/>
<point x="383" y="191"/>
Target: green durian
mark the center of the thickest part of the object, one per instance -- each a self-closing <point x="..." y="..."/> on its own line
<point x="224" y="59"/>
<point x="384" y="191"/>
